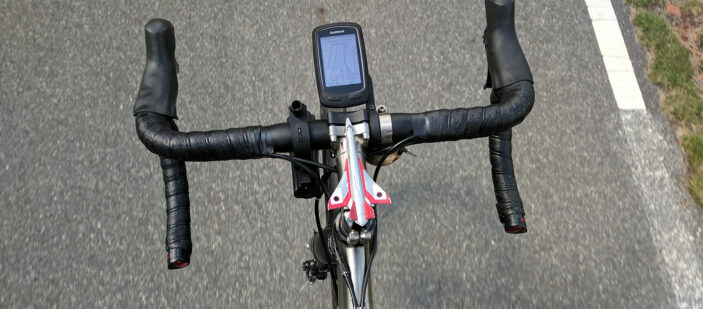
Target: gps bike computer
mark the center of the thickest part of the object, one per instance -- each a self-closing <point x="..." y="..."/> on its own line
<point x="340" y="65"/>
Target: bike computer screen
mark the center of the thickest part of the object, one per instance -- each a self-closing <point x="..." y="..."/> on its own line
<point x="340" y="65"/>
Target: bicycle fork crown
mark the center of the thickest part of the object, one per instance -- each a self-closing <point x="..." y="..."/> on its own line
<point x="356" y="190"/>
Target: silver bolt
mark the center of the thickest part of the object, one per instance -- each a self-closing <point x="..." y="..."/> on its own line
<point x="354" y="237"/>
<point x="365" y="235"/>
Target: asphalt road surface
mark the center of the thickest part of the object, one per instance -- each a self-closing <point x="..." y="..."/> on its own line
<point x="81" y="200"/>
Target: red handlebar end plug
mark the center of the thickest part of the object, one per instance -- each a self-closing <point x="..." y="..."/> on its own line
<point x="515" y="224"/>
<point x="178" y="258"/>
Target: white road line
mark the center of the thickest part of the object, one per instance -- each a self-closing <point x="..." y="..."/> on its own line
<point x="617" y="61"/>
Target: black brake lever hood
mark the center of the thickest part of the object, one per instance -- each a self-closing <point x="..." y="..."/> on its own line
<point x="506" y="61"/>
<point x="159" y="87"/>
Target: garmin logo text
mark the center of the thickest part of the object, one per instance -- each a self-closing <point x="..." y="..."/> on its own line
<point x="337" y="31"/>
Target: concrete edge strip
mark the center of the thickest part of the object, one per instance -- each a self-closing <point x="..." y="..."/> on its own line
<point x="668" y="219"/>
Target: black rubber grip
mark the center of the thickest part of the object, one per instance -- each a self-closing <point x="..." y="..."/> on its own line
<point x="506" y="61"/>
<point x="466" y="123"/>
<point x="178" y="239"/>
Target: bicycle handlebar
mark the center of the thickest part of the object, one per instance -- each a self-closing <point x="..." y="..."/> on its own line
<point x="159" y="135"/>
<point x="155" y="109"/>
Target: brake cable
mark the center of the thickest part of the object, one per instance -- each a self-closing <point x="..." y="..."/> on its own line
<point x="388" y="151"/>
<point x="345" y="271"/>
<point x="301" y="161"/>
<point x="405" y="142"/>
<point x="320" y="181"/>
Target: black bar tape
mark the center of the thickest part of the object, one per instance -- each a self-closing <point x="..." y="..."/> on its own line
<point x="178" y="240"/>
<point x="466" y="123"/>
<point x="254" y="142"/>
<point x="156" y="133"/>
<point x="508" y="201"/>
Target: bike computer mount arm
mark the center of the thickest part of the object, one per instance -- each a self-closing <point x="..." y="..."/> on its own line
<point x="155" y="111"/>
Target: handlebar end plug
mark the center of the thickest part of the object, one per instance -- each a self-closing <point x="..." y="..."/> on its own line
<point x="178" y="258"/>
<point x="515" y="224"/>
